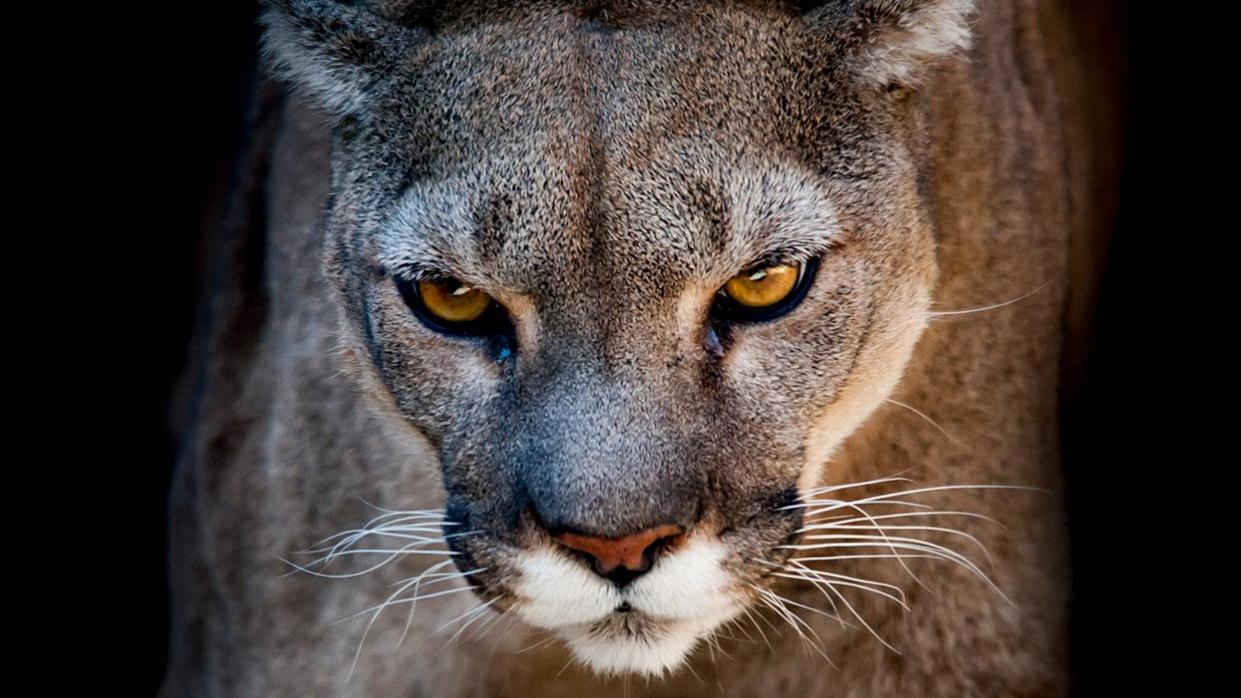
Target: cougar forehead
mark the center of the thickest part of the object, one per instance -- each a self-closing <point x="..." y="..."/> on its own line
<point x="543" y="139"/>
<point x="596" y="176"/>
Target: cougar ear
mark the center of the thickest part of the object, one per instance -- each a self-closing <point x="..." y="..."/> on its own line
<point x="338" y="54"/>
<point x="889" y="42"/>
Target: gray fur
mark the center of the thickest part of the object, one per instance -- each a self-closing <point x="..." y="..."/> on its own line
<point x="603" y="168"/>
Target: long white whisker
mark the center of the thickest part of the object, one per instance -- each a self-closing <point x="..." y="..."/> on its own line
<point x="884" y="537"/>
<point x="849" y="519"/>
<point x="818" y="585"/>
<point x="379" y="609"/>
<point x="824" y="581"/>
<point x="784" y="613"/>
<point x="861" y="619"/>
<point x="777" y="604"/>
<point x="481" y="629"/>
<point x="930" y="421"/>
<point x="383" y="533"/>
<point x="750" y="615"/>
<point x="877" y="556"/>
<point x="358" y="533"/>
<point x="352" y="537"/>
<point x="903" y="527"/>
<point x="994" y="306"/>
<point x="467" y="614"/>
<point x="841" y="582"/>
<point x="386" y="511"/>
<point x="834" y="504"/>
<point x="711" y="643"/>
<point x="399" y="602"/>
<point x="417" y="582"/>
<point x="538" y="644"/>
<point x="826" y="506"/>
<point x="851" y="485"/>
<point x="826" y="586"/>
<point x="394" y="554"/>
<point x="923" y="547"/>
<point x="736" y="622"/>
<point x="798" y="566"/>
<point x="478" y="613"/>
<point x="791" y="602"/>
<point x="867" y="515"/>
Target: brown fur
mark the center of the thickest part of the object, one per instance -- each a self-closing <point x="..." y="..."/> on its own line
<point x="959" y="186"/>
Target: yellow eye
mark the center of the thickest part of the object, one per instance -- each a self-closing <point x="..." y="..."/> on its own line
<point x="762" y="288"/>
<point x="453" y="301"/>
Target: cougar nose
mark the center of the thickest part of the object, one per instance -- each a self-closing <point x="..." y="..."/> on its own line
<point x="622" y="560"/>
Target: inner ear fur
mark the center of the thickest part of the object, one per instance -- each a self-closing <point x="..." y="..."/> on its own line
<point x="889" y="43"/>
<point x="337" y="54"/>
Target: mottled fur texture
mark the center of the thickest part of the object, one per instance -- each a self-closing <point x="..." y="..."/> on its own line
<point x="602" y="168"/>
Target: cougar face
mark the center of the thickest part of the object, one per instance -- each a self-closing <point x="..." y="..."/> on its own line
<point x="633" y="274"/>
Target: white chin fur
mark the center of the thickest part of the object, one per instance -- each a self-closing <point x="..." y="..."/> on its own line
<point x="656" y="651"/>
<point x="680" y="601"/>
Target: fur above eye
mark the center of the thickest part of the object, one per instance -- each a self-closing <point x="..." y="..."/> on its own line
<point x="765" y="292"/>
<point x="452" y="306"/>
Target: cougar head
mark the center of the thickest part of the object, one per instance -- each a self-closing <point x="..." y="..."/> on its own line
<point x="633" y="270"/>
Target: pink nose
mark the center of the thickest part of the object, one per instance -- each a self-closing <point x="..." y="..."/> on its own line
<point x="627" y="553"/>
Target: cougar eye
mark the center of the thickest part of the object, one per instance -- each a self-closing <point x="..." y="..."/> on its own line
<point x="765" y="292"/>
<point x="452" y="306"/>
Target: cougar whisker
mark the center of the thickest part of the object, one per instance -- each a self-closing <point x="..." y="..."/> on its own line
<point x="899" y="539"/>
<point x="430" y="571"/>
<point x="750" y="616"/>
<point x="472" y="615"/>
<point x="399" y="602"/>
<point x="482" y="628"/>
<point x="926" y="418"/>
<point x="846" y="518"/>
<point x="381" y="534"/>
<point x="797" y="566"/>
<point x="863" y="513"/>
<point x="815" y="579"/>
<point x="736" y="622"/>
<point x="392" y="555"/>
<point x="548" y="637"/>
<point x="778" y="604"/>
<point x="900" y="527"/>
<point x="995" y="306"/>
<point x="384" y="533"/>
<point x="834" y="504"/>
<point x="850" y="486"/>
<point x="385" y="510"/>
<point x="950" y="555"/>
<point x="377" y="610"/>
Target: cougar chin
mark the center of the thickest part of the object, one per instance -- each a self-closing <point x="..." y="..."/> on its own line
<point x="648" y="627"/>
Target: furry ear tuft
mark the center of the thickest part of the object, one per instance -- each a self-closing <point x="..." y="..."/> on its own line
<point x="337" y="54"/>
<point x="892" y="40"/>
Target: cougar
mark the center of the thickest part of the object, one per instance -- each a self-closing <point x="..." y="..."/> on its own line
<point x="652" y="348"/>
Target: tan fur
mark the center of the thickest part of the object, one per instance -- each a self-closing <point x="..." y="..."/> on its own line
<point x="294" y="425"/>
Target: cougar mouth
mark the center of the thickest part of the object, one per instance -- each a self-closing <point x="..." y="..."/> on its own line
<point x="647" y="626"/>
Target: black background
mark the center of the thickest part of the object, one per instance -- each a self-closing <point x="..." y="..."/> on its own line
<point x="192" y="100"/>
